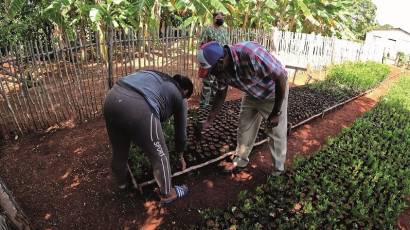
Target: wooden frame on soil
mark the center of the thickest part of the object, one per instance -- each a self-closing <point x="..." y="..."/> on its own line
<point x="139" y="186"/>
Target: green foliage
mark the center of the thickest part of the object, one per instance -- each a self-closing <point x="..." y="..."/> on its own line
<point x="384" y="27"/>
<point x="337" y="18"/>
<point x="15" y="7"/>
<point x="402" y="59"/>
<point x="400" y="94"/>
<point x="334" y="88"/>
<point x="71" y="14"/>
<point x="362" y="18"/>
<point x="200" y="12"/>
<point x="357" y="181"/>
<point x="138" y="162"/>
<point x="343" y="18"/>
<point x="21" y="19"/>
<point x="358" y="76"/>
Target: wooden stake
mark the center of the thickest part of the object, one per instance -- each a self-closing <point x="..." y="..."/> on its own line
<point x="12" y="209"/>
<point x="45" y="111"/>
<point x="27" y="97"/>
<point x="195" y="167"/>
<point x="71" y="82"/>
<point x="46" y="81"/>
<point x="64" y="99"/>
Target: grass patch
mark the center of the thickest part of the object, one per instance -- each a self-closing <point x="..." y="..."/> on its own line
<point x="359" y="76"/>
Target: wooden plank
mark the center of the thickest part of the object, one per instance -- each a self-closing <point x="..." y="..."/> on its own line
<point x="132" y="37"/>
<point x="131" y="52"/>
<point x="167" y="51"/>
<point x="46" y="80"/>
<point x="13" y="98"/>
<point x="157" y="49"/>
<point x="116" y="51"/>
<point x="110" y="63"/>
<point x="139" y="49"/>
<point x="35" y="117"/>
<point x="144" y="45"/>
<point x="70" y="80"/>
<point x="19" y="87"/>
<point x="66" y="88"/>
<point x="151" y="55"/>
<point x="93" y="77"/>
<point x="104" y="71"/>
<point x="88" y="75"/>
<point x="63" y="98"/>
<point x="81" y="74"/>
<point x="163" y="44"/>
<point x="37" y="89"/>
<point x="12" y="209"/>
<point x="170" y="51"/>
<point x="11" y="110"/>
<point x="123" y="53"/>
<point x="196" y="167"/>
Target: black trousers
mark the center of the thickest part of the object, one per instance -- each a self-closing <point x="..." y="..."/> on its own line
<point x="129" y="118"/>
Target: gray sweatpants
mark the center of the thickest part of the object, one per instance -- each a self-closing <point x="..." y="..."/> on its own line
<point x="129" y="118"/>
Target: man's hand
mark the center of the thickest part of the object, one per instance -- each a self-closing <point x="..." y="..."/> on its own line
<point x="182" y="160"/>
<point x="273" y="121"/>
<point x="200" y="127"/>
<point x="205" y="125"/>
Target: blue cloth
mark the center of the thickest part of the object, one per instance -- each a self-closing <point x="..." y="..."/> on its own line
<point x="209" y="54"/>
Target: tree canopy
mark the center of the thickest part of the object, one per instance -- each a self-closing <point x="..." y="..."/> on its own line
<point x="341" y="18"/>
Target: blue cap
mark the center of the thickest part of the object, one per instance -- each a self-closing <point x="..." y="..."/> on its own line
<point x="209" y="54"/>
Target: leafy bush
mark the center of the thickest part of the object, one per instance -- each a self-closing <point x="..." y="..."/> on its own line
<point x="402" y="59"/>
<point x="359" y="76"/>
<point x="335" y="89"/>
<point x="358" y="180"/>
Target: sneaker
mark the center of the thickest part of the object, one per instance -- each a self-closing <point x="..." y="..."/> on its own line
<point x="278" y="172"/>
<point x="232" y="167"/>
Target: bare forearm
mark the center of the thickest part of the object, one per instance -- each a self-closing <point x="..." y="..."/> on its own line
<point x="217" y="104"/>
<point x="280" y="91"/>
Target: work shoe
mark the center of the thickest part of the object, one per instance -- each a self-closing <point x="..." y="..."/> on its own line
<point x="232" y="167"/>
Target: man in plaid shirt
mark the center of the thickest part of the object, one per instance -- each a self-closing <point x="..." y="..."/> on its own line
<point x="251" y="68"/>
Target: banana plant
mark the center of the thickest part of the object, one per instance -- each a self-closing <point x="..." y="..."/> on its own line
<point x="69" y="15"/>
<point x="200" y="11"/>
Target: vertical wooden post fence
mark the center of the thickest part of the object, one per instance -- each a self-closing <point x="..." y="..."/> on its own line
<point x="52" y="83"/>
<point x="110" y="57"/>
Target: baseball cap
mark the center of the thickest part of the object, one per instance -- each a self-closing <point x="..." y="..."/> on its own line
<point x="208" y="55"/>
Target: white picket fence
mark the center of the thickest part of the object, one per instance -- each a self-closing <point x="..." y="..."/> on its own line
<point x="316" y="51"/>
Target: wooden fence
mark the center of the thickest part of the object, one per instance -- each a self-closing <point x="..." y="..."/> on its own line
<point x="46" y="84"/>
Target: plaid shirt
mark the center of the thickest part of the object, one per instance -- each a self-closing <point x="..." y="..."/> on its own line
<point x="254" y="66"/>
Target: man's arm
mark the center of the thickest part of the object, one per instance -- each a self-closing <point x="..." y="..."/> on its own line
<point x="217" y="104"/>
<point x="280" y="91"/>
